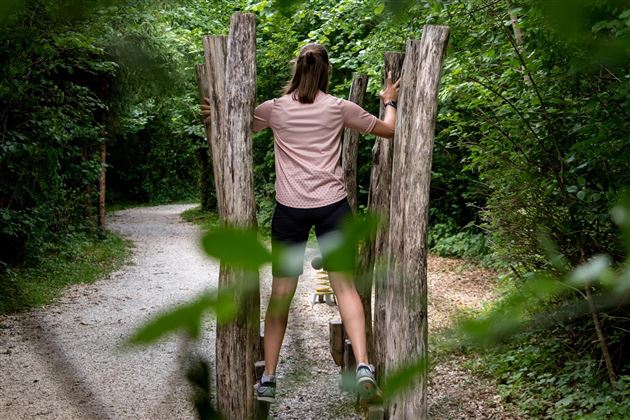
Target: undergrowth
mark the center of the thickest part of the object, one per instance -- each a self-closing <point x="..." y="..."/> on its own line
<point x="555" y="372"/>
<point x="80" y="258"/>
<point x="544" y="377"/>
<point x="449" y="240"/>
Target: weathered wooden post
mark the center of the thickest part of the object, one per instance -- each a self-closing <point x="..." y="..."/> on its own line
<point x="378" y="202"/>
<point x="350" y="148"/>
<point x="204" y="154"/>
<point x="349" y="157"/>
<point x="230" y="75"/>
<point x="211" y="79"/>
<point x="406" y="288"/>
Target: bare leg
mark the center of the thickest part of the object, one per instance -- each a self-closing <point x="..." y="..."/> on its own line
<point x="282" y="291"/>
<point x="351" y="311"/>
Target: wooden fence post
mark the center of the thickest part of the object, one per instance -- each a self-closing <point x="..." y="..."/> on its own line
<point x="350" y="148"/>
<point x="406" y="289"/>
<point x="237" y="342"/>
<point x="211" y="79"/>
<point x="373" y="255"/>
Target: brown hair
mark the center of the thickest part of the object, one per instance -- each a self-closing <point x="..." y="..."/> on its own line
<point x="310" y="73"/>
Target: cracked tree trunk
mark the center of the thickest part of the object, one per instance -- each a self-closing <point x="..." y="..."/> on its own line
<point x="230" y="71"/>
<point x="406" y="290"/>
<point x="372" y="258"/>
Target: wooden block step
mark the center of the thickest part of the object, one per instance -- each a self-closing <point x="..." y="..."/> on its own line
<point x="335" y="329"/>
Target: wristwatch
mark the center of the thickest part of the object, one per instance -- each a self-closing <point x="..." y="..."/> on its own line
<point x="392" y="103"/>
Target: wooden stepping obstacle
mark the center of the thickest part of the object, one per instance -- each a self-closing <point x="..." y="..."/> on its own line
<point x="323" y="291"/>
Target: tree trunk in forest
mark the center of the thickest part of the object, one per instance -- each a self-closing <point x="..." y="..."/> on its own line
<point x="237" y="342"/>
<point x="371" y="260"/>
<point x="102" y="153"/>
<point x="518" y="43"/>
<point x="88" y="203"/>
<point x="211" y="79"/>
<point x="350" y="147"/>
<point x="406" y="289"/>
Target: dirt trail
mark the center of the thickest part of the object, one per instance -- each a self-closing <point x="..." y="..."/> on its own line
<point x="64" y="361"/>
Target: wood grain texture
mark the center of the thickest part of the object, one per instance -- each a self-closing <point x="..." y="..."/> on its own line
<point x="350" y="145"/>
<point x="378" y="202"/>
<point x="211" y="79"/>
<point x="205" y="159"/>
<point x="238" y="341"/>
<point x="406" y="288"/>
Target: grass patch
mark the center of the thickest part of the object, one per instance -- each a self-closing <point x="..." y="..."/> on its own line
<point x="207" y="220"/>
<point x="130" y="204"/>
<point x="210" y="220"/>
<point x="80" y="259"/>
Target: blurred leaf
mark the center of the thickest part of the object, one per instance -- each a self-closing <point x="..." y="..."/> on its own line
<point x="340" y="247"/>
<point x="186" y="316"/>
<point x="621" y="216"/>
<point x="591" y="271"/>
<point x="236" y="247"/>
<point x="404" y="377"/>
<point x="553" y="254"/>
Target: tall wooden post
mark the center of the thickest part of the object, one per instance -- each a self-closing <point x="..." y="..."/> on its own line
<point x="211" y="79"/>
<point x="373" y="255"/>
<point x="350" y="148"/>
<point x="204" y="155"/>
<point x="231" y="83"/>
<point x="406" y="289"/>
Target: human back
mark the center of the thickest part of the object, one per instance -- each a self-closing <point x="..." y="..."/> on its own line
<point x="307" y="146"/>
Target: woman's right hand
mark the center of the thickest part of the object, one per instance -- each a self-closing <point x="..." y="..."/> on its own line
<point x="390" y="92"/>
<point x="206" y="110"/>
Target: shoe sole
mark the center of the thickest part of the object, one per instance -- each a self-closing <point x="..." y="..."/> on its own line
<point x="266" y="399"/>
<point x="367" y="390"/>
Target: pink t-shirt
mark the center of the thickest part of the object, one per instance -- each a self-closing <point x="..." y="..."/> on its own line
<point x="307" y="146"/>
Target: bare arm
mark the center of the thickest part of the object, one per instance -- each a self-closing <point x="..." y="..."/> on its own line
<point x="387" y="126"/>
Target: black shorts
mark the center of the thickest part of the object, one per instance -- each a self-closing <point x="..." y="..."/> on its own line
<point x="290" y="228"/>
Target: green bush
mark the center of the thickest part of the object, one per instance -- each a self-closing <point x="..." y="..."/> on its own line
<point x="556" y="375"/>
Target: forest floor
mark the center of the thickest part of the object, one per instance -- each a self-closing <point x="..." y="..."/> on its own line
<point x="66" y="360"/>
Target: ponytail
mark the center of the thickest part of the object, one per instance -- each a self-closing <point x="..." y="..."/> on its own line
<point x="310" y="73"/>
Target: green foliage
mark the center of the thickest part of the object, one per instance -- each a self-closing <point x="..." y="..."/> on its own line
<point x="550" y="376"/>
<point x="236" y="247"/>
<point x="531" y="138"/>
<point x="79" y="258"/>
<point x="445" y="239"/>
<point x="52" y="123"/>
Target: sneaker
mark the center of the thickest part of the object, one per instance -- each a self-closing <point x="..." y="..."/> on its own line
<point x="366" y="384"/>
<point x="265" y="388"/>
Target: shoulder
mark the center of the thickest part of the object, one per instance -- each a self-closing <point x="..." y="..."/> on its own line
<point x="326" y="97"/>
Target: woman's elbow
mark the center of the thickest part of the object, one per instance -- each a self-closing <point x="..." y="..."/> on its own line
<point x="387" y="131"/>
<point x="383" y="129"/>
<point x="391" y="132"/>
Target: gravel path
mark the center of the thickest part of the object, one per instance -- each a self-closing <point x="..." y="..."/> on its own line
<point x="64" y="361"/>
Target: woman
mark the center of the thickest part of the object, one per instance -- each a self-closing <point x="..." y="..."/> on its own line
<point x="307" y="124"/>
